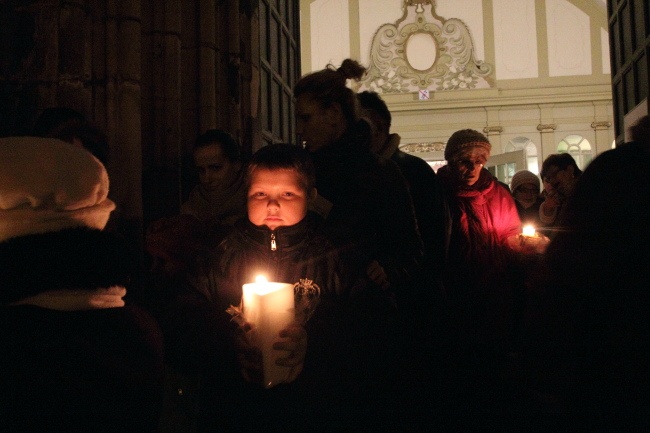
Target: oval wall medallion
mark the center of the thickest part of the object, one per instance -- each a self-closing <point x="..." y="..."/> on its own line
<point x="421" y="51"/>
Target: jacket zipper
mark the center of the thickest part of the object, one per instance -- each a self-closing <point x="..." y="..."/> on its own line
<point x="274" y="246"/>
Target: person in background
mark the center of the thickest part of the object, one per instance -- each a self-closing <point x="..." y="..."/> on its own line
<point x="175" y="285"/>
<point x="419" y="309"/>
<point x="74" y="356"/>
<point x="419" y="175"/>
<point x="586" y="344"/>
<point x="220" y="197"/>
<point x="524" y="186"/>
<point x="198" y="341"/>
<point x="364" y="199"/>
<point x="559" y="174"/>
<point x="369" y="217"/>
<point x="481" y="277"/>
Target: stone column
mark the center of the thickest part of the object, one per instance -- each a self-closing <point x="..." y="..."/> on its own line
<point x="207" y="54"/>
<point x="123" y="111"/>
<point x="546" y="128"/>
<point x="602" y="126"/>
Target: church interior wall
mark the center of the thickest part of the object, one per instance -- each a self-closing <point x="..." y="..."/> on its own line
<point x="551" y="66"/>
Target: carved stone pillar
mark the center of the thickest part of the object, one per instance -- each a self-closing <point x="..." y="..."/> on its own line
<point x="122" y="102"/>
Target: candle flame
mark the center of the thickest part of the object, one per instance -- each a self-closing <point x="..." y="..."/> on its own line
<point x="261" y="279"/>
<point x="528" y="230"/>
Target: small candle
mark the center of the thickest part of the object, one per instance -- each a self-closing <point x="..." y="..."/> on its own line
<point x="528" y="230"/>
<point x="269" y="308"/>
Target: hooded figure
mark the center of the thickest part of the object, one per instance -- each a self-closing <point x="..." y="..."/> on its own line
<point x="73" y="356"/>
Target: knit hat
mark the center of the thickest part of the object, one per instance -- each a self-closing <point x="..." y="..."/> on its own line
<point x="521" y="177"/>
<point x="48" y="185"/>
<point x="463" y="139"/>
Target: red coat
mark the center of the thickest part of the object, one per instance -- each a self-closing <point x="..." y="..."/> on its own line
<point x="479" y="276"/>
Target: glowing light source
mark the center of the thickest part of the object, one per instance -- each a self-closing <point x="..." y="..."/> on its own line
<point x="269" y="308"/>
<point x="528" y="230"/>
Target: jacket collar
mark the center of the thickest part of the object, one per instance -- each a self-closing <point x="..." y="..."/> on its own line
<point x="282" y="238"/>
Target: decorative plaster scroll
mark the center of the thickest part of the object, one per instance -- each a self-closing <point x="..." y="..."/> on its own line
<point x="453" y="64"/>
<point x="601" y="125"/>
<point x="493" y="129"/>
<point x="423" y="147"/>
<point x="546" y="127"/>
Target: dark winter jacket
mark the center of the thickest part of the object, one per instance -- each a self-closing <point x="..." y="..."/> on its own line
<point x="96" y="370"/>
<point x="286" y="254"/>
<point x="425" y="193"/>
<point x="587" y="335"/>
<point x="371" y="215"/>
<point x="349" y="337"/>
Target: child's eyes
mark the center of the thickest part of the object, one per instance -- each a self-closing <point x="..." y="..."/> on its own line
<point x="262" y="194"/>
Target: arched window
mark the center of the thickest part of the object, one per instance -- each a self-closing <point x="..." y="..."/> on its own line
<point x="578" y="147"/>
<point x="519" y="143"/>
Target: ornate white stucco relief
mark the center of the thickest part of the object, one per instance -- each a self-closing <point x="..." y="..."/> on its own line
<point x="424" y="147"/>
<point x="394" y="69"/>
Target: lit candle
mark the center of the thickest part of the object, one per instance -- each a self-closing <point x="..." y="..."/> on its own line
<point x="269" y="308"/>
<point x="528" y="230"/>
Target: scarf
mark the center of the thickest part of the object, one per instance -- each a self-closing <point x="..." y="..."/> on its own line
<point x="222" y="207"/>
<point x="472" y="217"/>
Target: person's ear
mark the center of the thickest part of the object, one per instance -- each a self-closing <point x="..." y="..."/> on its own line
<point x="571" y="171"/>
<point x="334" y="114"/>
<point x="312" y="195"/>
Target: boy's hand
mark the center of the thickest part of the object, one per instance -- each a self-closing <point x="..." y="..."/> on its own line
<point x="294" y="341"/>
<point x="248" y="356"/>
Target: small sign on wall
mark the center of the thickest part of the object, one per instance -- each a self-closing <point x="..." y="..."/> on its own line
<point x="423" y="94"/>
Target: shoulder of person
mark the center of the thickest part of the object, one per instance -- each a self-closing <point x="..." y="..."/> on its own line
<point x="412" y="161"/>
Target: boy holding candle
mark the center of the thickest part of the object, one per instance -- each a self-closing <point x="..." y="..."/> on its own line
<point x="278" y="240"/>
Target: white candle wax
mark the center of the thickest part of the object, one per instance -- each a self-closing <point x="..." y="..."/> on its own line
<point x="269" y="308"/>
<point x="528" y="230"/>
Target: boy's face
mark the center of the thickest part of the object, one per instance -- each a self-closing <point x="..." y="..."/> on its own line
<point x="276" y="198"/>
<point x="216" y="172"/>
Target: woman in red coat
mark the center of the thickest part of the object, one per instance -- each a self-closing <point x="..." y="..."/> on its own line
<point x="482" y="284"/>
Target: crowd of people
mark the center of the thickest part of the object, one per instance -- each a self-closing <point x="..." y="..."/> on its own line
<point x="420" y="304"/>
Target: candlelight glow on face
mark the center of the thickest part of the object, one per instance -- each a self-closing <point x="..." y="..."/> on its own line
<point x="528" y="230"/>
